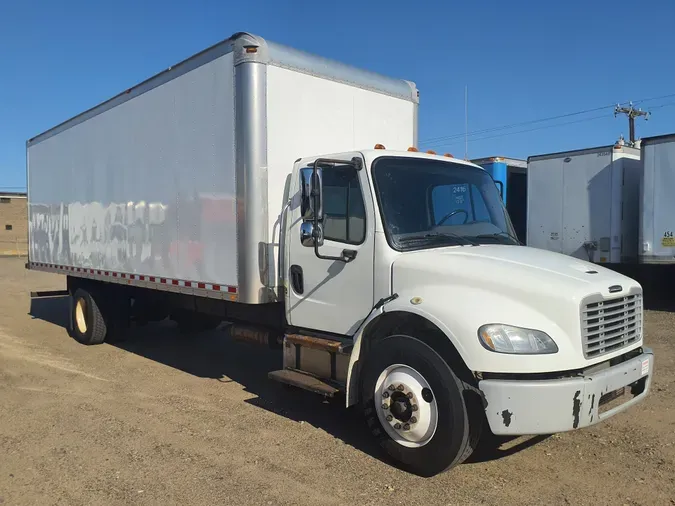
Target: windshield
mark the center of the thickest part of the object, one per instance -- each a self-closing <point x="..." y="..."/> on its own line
<point x="429" y="203"/>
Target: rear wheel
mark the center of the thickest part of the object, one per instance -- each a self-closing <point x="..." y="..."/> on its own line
<point x="414" y="405"/>
<point x="88" y="326"/>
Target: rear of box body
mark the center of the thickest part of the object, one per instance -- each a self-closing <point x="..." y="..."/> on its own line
<point x="185" y="175"/>
<point x="657" y="205"/>
<point x="585" y="203"/>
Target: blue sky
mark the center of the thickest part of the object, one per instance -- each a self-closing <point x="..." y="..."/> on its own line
<point x="521" y="61"/>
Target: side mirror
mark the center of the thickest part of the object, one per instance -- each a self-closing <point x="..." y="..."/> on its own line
<point x="500" y="187"/>
<point x="311" y="235"/>
<point x="311" y="206"/>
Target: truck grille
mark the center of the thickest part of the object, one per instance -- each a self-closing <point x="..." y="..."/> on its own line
<point x="610" y="324"/>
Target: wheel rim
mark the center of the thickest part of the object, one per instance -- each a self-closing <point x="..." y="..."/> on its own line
<point x="81" y="315"/>
<point x="406" y="406"/>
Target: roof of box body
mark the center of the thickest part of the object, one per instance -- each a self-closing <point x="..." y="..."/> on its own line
<point x="266" y="52"/>
<point x="513" y="162"/>
<point x="610" y="147"/>
<point x="657" y="139"/>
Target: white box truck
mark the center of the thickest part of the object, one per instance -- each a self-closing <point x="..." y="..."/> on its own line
<point x="585" y="203"/>
<point x="657" y="205"/>
<point x="235" y="186"/>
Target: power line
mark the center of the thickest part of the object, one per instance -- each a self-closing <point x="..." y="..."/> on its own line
<point x="668" y="104"/>
<point x="435" y="140"/>
<point x="513" y="125"/>
<point x="528" y="130"/>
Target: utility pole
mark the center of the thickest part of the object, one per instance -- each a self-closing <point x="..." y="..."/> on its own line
<point x="632" y="113"/>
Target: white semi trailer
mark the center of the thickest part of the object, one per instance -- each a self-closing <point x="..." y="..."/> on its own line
<point x="585" y="203"/>
<point x="234" y="186"/>
<point x="657" y="206"/>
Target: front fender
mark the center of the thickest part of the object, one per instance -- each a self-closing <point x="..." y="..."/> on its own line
<point x="458" y="312"/>
<point x="401" y="305"/>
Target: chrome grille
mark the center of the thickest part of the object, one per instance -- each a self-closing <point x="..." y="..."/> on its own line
<point x="610" y="324"/>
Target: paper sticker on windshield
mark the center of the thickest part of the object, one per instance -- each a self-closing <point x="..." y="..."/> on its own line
<point x="668" y="241"/>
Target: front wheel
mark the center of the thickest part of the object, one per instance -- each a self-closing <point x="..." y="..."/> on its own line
<point x="414" y="405"/>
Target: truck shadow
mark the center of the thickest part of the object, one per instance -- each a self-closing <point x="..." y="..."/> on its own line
<point x="216" y="356"/>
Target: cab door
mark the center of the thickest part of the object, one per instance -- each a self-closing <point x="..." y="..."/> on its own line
<point x="332" y="296"/>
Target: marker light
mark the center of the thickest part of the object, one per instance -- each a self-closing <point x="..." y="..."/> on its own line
<point x="448" y="155"/>
<point x="379" y="146"/>
<point x="431" y="152"/>
<point x="413" y="149"/>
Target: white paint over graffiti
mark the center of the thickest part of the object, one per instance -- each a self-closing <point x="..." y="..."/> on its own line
<point x="184" y="240"/>
<point x="118" y="236"/>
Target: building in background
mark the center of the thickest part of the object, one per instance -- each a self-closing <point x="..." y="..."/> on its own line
<point x="13" y="224"/>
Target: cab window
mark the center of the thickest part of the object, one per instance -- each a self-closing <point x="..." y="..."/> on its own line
<point x="343" y="207"/>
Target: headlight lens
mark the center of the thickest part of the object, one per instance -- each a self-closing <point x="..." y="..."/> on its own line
<point x="515" y="340"/>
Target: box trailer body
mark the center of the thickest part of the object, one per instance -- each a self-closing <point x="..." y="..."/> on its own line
<point x="183" y="177"/>
<point x="511" y="175"/>
<point x="585" y="203"/>
<point x="274" y="190"/>
<point x="657" y="205"/>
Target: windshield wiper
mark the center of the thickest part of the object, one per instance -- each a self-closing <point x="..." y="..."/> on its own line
<point x="436" y="235"/>
<point x="499" y="234"/>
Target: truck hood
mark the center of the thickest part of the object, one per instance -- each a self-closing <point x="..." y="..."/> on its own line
<point x="461" y="288"/>
<point x="530" y="269"/>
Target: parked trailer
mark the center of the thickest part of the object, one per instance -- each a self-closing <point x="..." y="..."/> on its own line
<point x="203" y="195"/>
<point x="657" y="206"/>
<point x="585" y="203"/>
<point x="510" y="174"/>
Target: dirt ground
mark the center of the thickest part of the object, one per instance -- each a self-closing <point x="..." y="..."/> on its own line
<point x="168" y="419"/>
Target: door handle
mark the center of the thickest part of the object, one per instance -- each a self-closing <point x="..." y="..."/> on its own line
<point x="297" y="279"/>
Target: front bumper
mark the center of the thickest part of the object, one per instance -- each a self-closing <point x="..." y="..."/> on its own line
<point x="529" y="407"/>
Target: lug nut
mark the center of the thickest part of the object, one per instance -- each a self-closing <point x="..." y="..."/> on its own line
<point x="397" y="426"/>
<point x="410" y="395"/>
<point x="389" y="418"/>
<point x="385" y="395"/>
<point x="406" y="426"/>
<point x="385" y="406"/>
<point x="400" y="388"/>
<point x="413" y="419"/>
<point x="392" y="387"/>
<point x="414" y="407"/>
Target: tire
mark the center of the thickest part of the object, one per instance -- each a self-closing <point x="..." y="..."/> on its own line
<point x="88" y="325"/>
<point x="425" y="448"/>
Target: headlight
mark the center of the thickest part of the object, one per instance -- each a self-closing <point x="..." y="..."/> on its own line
<point x="515" y="340"/>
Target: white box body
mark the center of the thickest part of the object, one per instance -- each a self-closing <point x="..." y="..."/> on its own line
<point x="183" y="176"/>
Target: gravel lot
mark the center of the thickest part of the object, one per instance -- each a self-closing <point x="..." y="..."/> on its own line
<point x="168" y="419"/>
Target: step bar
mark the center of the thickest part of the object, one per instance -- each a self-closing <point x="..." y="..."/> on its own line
<point x="303" y="380"/>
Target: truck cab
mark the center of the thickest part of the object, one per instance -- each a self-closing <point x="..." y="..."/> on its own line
<point x="445" y="322"/>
